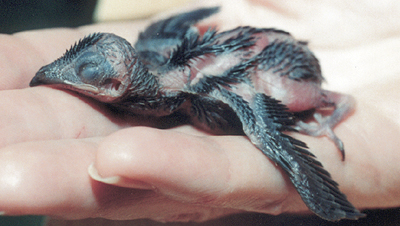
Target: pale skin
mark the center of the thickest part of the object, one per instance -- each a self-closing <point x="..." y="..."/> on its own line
<point x="50" y="138"/>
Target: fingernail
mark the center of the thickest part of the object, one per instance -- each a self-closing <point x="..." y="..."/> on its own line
<point x="2" y="213"/>
<point x="94" y="174"/>
<point x="118" y="180"/>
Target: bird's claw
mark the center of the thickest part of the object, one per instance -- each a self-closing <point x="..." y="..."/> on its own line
<point x="322" y="127"/>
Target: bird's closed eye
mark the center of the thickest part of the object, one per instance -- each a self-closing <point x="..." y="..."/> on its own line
<point x="88" y="71"/>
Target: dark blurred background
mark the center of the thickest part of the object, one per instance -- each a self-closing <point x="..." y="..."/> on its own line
<point x="20" y="15"/>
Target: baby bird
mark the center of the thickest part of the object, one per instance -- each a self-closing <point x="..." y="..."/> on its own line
<point x="254" y="81"/>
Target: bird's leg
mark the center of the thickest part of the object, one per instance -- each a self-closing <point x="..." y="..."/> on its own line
<point x="343" y="106"/>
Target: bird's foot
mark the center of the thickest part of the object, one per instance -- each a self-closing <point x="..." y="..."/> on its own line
<point x="322" y="127"/>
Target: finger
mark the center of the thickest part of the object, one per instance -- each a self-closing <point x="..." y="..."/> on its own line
<point x="50" y="178"/>
<point x="36" y="177"/>
<point x="45" y="113"/>
<point x="231" y="172"/>
<point x="222" y="171"/>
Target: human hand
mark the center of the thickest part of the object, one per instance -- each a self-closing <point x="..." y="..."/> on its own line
<point x="50" y="138"/>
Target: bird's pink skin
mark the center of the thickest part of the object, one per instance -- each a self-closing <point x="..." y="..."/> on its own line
<point x="297" y="95"/>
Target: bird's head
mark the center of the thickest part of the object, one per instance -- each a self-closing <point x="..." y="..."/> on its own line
<point x="100" y="65"/>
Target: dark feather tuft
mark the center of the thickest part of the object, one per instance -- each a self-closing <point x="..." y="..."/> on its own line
<point x="82" y="44"/>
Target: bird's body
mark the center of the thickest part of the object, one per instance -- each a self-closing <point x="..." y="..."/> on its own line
<point x="251" y="77"/>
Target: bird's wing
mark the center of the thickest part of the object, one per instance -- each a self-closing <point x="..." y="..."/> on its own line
<point x="158" y="41"/>
<point x="264" y="120"/>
